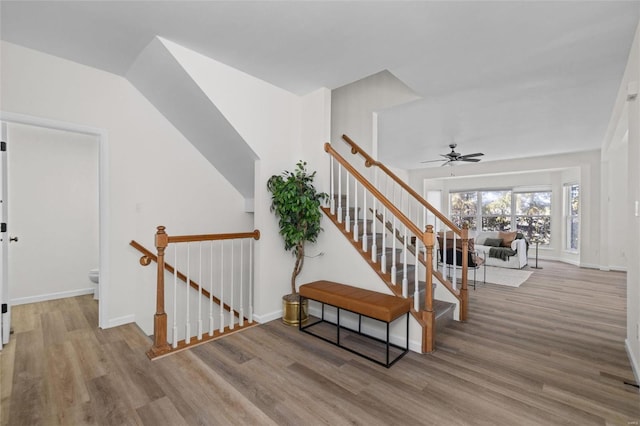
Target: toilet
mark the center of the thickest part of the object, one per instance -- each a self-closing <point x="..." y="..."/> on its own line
<point x="94" y="276"/>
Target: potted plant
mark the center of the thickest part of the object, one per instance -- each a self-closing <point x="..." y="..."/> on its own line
<point x="296" y="203"/>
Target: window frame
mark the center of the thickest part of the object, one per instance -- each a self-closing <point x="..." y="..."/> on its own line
<point x="546" y="238"/>
<point x="569" y="218"/>
<point x="480" y="216"/>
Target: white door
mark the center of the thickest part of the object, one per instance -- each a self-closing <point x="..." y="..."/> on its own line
<point x="5" y="317"/>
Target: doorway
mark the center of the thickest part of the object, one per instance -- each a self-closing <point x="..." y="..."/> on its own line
<point x="53" y="213"/>
<point x="98" y="138"/>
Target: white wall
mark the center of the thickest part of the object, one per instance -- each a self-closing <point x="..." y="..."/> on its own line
<point x="353" y="108"/>
<point x="626" y="116"/>
<point x="155" y="176"/>
<point x="53" y="210"/>
<point x="615" y="199"/>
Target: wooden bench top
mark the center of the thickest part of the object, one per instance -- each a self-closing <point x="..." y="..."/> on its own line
<point x="383" y="307"/>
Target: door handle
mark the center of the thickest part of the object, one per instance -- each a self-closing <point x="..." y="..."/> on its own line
<point x="13" y="239"/>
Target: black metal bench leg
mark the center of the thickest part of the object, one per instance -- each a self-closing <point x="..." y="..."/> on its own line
<point x="338" y="328"/>
<point x="407" y="346"/>
<point x="387" y="344"/>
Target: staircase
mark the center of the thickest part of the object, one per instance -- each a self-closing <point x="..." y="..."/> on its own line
<point x="383" y="218"/>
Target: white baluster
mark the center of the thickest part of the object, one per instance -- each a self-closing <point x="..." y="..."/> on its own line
<point x="221" y="286"/>
<point x="374" y="237"/>
<point x="445" y="257"/>
<point x="332" y="200"/>
<point x="347" y="219"/>
<point x="211" y="290"/>
<point x="241" y="302"/>
<point x="405" y="281"/>
<point x="424" y="219"/>
<point x="383" y="257"/>
<point x="394" y="269"/>
<point x="355" y="223"/>
<point x="454" y="260"/>
<point x="339" y="193"/>
<point x="416" y="290"/>
<point x="434" y="257"/>
<point x="200" y="284"/>
<point x="232" y="320"/>
<point x="175" y="296"/>
<point x="364" y="222"/>
<point x="187" y="337"/>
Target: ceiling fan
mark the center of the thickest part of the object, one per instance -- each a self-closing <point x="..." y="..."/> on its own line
<point x="454" y="156"/>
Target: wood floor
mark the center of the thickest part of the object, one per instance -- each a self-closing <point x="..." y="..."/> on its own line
<point x="550" y="352"/>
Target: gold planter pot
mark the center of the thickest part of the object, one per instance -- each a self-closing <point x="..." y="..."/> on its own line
<point x="290" y="309"/>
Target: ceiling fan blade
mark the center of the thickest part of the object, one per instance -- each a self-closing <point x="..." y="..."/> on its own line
<point x="433" y="161"/>
<point x="473" y="160"/>
<point x="446" y="163"/>
<point x="477" y="154"/>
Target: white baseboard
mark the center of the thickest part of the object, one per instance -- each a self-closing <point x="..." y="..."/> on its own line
<point x="267" y="317"/>
<point x="618" y="268"/>
<point x="51" y="296"/>
<point x="635" y="366"/>
<point x="126" y="319"/>
<point x="415" y="346"/>
<point x="589" y="265"/>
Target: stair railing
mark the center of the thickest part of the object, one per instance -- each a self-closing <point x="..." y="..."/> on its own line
<point x="450" y="238"/>
<point x="219" y="271"/>
<point x="414" y="242"/>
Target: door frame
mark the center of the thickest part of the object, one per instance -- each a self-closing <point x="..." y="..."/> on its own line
<point x="103" y="194"/>
<point x="5" y="322"/>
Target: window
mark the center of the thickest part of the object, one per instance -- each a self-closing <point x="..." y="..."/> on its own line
<point x="572" y="218"/>
<point x="496" y="210"/>
<point x="533" y="215"/>
<point x="464" y="207"/>
<point x="504" y="210"/>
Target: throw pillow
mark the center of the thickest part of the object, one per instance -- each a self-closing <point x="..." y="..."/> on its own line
<point x="493" y="242"/>
<point x="507" y="238"/>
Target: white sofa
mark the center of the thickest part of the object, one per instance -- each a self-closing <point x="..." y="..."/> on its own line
<point x="517" y="261"/>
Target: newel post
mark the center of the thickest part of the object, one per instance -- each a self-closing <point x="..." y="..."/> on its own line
<point x="428" y="314"/>
<point x="464" y="291"/>
<point x="160" y="345"/>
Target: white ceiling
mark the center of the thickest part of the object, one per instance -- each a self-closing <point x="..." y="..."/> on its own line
<point x="511" y="79"/>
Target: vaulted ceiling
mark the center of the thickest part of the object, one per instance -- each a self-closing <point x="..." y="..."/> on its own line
<point x="511" y="79"/>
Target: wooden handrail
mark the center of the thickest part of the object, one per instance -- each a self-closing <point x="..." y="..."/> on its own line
<point x="214" y="237"/>
<point x="373" y="190"/>
<point x="169" y="268"/>
<point x="369" y="161"/>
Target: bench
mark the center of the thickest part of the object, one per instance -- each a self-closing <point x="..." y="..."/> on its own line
<point x="371" y="304"/>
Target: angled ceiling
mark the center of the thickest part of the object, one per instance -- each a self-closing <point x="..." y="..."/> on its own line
<point x="510" y="79"/>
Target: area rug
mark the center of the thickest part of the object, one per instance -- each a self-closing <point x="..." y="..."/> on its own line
<point x="501" y="276"/>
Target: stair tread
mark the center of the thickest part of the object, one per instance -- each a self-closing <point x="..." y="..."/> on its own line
<point x="441" y="306"/>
